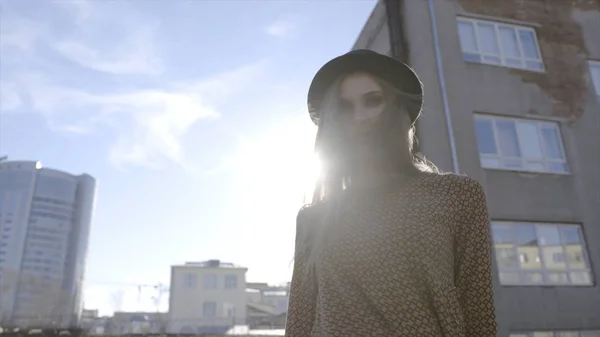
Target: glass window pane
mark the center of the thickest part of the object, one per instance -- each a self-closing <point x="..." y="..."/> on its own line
<point x="529" y="140"/>
<point x="543" y="334"/>
<point x="575" y="256"/>
<point x="487" y="39"/>
<point x="466" y="32"/>
<point x="514" y="63"/>
<point x="570" y="234"/>
<point x="507" y="137"/>
<point x="526" y="235"/>
<point x="505" y="256"/>
<point x="535" y="166"/>
<point x="580" y="278"/>
<point x="528" y="44"/>
<point x="548" y="235"/>
<point x="502" y="233"/>
<point x="492" y="60"/>
<point x="490" y="162"/>
<point x="567" y="334"/>
<point x="472" y="57"/>
<point x="558" y="167"/>
<point x="551" y="143"/>
<point x="508" y="40"/>
<point x="513" y="163"/>
<point x="590" y="333"/>
<point x="554" y="257"/>
<point x="534" y="65"/>
<point x="485" y="136"/>
<point x="533" y="278"/>
<point x="529" y="257"/>
<point x="558" y="278"/>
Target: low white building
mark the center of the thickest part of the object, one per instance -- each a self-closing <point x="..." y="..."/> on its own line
<point x="207" y="297"/>
<point x="267" y="305"/>
<point x="276" y="296"/>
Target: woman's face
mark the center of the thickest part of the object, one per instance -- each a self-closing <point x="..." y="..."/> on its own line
<point x="361" y="98"/>
<point x="361" y="103"/>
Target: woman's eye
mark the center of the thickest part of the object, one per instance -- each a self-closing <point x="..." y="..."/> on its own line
<point x="373" y="101"/>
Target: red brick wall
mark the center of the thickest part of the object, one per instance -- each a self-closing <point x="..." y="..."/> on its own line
<point x="561" y="42"/>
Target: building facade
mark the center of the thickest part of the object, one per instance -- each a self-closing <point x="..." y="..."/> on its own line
<point x="45" y="218"/>
<point x="512" y="99"/>
<point x="275" y="296"/>
<point x="207" y="297"/>
<point x="267" y="305"/>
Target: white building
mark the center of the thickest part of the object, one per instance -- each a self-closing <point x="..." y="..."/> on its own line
<point x="272" y="295"/>
<point x="45" y="218"/>
<point x="267" y="305"/>
<point x="207" y="297"/>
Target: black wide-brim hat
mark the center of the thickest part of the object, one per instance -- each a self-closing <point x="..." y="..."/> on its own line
<point x="395" y="72"/>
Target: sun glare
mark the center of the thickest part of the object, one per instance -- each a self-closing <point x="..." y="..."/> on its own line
<point x="281" y="166"/>
<point x="312" y="175"/>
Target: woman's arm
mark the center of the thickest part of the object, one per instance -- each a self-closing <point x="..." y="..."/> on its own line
<point x="302" y="301"/>
<point x="473" y="265"/>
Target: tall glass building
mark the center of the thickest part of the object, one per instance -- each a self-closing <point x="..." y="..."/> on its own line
<point x="45" y="218"/>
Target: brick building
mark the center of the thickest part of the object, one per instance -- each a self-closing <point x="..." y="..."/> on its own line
<point x="512" y="98"/>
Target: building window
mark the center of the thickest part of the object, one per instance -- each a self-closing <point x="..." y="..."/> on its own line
<point x="499" y="44"/>
<point x="520" y="145"/>
<point x="190" y="280"/>
<point x="228" y="310"/>
<point x="210" y="281"/>
<point x="591" y="333"/>
<point x="541" y="254"/>
<point x="230" y="282"/>
<point x="595" y="72"/>
<point x="209" y="309"/>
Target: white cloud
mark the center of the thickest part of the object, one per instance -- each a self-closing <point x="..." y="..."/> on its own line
<point x="148" y="122"/>
<point x="81" y="10"/>
<point x="160" y="118"/>
<point x="9" y="97"/>
<point x="19" y="32"/>
<point x="128" y="49"/>
<point x="135" y="55"/>
<point x="280" y="28"/>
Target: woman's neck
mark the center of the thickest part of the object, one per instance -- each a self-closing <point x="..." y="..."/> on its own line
<point x="368" y="177"/>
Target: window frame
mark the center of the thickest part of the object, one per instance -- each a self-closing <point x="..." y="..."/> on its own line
<point x="204" y="311"/>
<point x="230" y="285"/>
<point x="501" y="55"/>
<point x="190" y="280"/>
<point x="214" y="284"/>
<point x="545" y="160"/>
<point x="595" y="83"/>
<point x="545" y="271"/>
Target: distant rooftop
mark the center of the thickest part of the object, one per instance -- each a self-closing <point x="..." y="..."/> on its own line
<point x="275" y="293"/>
<point x="211" y="264"/>
<point x="244" y="330"/>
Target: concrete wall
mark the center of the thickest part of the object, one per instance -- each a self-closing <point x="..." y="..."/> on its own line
<point x="568" y="37"/>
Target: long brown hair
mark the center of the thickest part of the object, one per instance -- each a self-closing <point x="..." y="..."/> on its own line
<point x="336" y="176"/>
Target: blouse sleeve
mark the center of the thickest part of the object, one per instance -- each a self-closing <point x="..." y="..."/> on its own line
<point x="473" y="265"/>
<point x="302" y="299"/>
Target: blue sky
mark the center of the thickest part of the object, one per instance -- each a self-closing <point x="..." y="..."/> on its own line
<point x="191" y="116"/>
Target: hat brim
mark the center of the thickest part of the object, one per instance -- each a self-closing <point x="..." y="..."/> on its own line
<point x="395" y="72"/>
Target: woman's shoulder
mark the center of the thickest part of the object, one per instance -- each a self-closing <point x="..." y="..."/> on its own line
<point x="308" y="216"/>
<point x="459" y="185"/>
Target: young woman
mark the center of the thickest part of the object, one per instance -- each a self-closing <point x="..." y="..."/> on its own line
<point x="388" y="246"/>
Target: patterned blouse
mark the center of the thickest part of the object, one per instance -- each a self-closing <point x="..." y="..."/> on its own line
<point x="411" y="261"/>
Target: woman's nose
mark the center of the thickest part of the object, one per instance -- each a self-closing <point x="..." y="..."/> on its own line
<point x="361" y="115"/>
